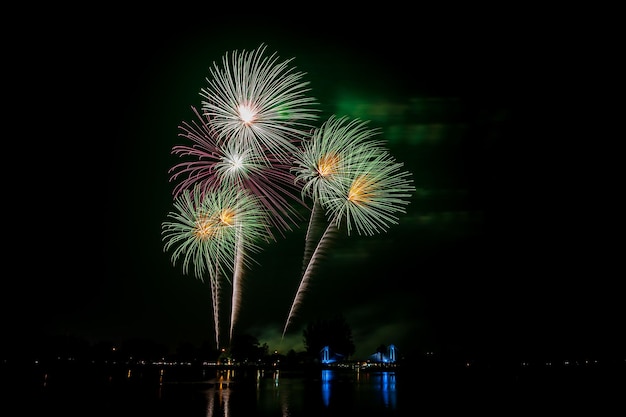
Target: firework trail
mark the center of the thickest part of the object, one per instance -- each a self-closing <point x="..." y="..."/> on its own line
<point x="313" y="261"/>
<point x="237" y="286"/>
<point x="215" y="303"/>
<point x="353" y="177"/>
<point x="312" y="234"/>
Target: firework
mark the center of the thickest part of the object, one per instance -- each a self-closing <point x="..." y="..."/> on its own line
<point x="260" y="102"/>
<point x="216" y="232"/>
<point x="370" y="196"/>
<point x="354" y="180"/>
<point x="335" y="150"/>
<point x="255" y="113"/>
<point x="253" y="154"/>
<point x="230" y="164"/>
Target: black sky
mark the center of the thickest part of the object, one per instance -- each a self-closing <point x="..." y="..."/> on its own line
<point x="498" y="251"/>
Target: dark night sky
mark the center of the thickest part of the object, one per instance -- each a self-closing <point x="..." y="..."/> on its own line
<point x="499" y="249"/>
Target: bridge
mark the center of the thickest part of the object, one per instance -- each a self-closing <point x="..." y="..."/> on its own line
<point x="328" y="356"/>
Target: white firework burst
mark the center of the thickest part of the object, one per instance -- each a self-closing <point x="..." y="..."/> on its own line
<point x="260" y="102"/>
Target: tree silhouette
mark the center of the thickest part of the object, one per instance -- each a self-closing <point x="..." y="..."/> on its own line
<point x="335" y="333"/>
<point x="246" y="348"/>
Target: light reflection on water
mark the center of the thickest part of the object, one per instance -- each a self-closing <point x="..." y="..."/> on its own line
<point x="228" y="396"/>
<point x="327" y="376"/>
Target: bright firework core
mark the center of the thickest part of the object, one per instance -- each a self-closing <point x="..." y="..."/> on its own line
<point x="361" y="190"/>
<point x="205" y="228"/>
<point x="327" y="164"/>
<point x="246" y="114"/>
<point x="227" y="216"/>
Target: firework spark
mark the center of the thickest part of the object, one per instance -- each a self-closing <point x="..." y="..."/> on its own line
<point x="260" y="102"/>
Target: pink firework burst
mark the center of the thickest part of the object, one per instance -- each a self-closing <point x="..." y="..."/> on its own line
<point x="216" y="164"/>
